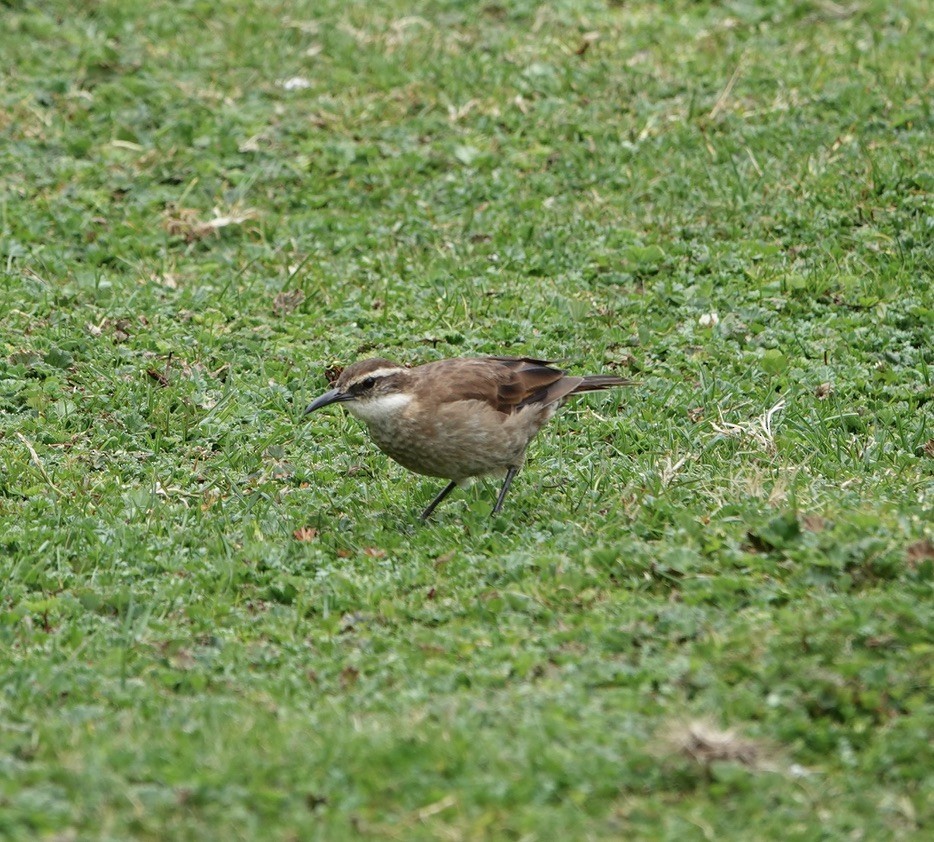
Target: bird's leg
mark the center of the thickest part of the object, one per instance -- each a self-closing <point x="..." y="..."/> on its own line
<point x="434" y="503"/>
<point x="510" y="474"/>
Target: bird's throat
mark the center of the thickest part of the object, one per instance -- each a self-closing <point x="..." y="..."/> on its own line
<point x="377" y="410"/>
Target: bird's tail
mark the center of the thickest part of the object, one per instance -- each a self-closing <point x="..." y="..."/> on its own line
<point x="594" y="382"/>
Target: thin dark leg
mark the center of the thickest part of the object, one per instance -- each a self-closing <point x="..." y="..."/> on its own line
<point x="510" y="474"/>
<point x="434" y="503"/>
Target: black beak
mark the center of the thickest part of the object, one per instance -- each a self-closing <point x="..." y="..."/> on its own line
<point x="334" y="396"/>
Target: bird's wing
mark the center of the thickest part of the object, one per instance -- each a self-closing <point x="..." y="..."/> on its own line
<point x="535" y="382"/>
<point x="503" y="383"/>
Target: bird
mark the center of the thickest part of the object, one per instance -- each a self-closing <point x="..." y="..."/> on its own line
<point x="457" y="418"/>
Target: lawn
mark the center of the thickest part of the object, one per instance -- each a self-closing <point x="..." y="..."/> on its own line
<point x="706" y="611"/>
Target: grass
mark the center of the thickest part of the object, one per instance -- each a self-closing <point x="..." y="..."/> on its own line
<point x="706" y="612"/>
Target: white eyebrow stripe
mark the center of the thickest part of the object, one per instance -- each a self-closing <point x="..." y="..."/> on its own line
<point x="380" y="372"/>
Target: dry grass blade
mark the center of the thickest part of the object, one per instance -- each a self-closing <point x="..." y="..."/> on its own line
<point x="759" y="430"/>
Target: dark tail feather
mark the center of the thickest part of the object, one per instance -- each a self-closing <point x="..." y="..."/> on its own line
<point x="593" y="382"/>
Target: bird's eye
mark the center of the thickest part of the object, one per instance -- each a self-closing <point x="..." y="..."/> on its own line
<point x="367" y="383"/>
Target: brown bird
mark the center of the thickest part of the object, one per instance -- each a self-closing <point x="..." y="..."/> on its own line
<point x="457" y="418"/>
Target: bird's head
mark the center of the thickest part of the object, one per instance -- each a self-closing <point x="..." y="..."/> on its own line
<point x="372" y="389"/>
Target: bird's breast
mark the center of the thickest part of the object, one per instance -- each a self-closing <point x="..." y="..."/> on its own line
<point x="455" y="440"/>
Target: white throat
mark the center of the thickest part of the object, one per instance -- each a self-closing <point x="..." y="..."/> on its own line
<point x="377" y="410"/>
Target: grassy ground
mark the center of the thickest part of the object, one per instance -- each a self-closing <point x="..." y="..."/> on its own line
<point x="706" y="613"/>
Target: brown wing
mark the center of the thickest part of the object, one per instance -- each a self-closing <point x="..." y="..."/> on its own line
<point x="505" y="383"/>
<point x="527" y="381"/>
<point x="534" y="381"/>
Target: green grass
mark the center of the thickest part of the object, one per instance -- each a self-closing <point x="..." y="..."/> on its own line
<point x="744" y="540"/>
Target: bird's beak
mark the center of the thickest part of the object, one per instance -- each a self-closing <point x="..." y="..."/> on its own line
<point x="334" y="396"/>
